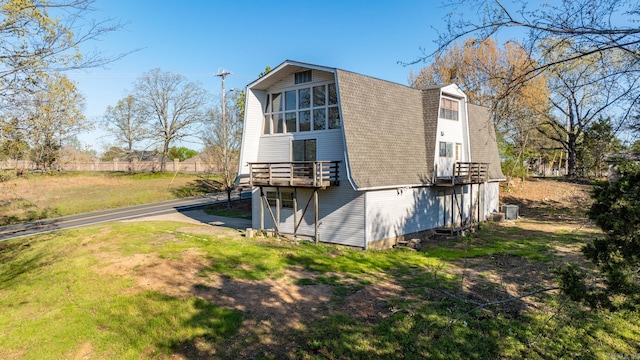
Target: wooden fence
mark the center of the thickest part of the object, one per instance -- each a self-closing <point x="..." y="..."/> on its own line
<point x="188" y="166"/>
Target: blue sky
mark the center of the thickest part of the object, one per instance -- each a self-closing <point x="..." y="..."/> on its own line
<point x="196" y="38"/>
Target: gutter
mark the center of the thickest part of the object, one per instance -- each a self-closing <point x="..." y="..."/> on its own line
<point x="389" y="187"/>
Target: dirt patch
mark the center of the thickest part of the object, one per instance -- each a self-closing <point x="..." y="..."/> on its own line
<point x="85" y="352"/>
<point x="548" y="199"/>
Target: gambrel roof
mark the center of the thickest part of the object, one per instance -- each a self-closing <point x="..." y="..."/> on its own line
<point x="484" y="147"/>
<point x="390" y="130"/>
<point x="385" y="130"/>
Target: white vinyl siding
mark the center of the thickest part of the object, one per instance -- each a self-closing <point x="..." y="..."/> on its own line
<point x="451" y="133"/>
<point x="287" y="82"/>
<point x="341" y="215"/>
<point x="252" y="130"/>
<point x="391" y="213"/>
<point x="492" y="192"/>
<point x="275" y="148"/>
<point x="396" y="212"/>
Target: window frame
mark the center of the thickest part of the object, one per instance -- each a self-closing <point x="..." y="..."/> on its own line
<point x="446" y="149"/>
<point x="303" y="77"/>
<point x="272" y="197"/>
<point x="331" y="109"/>
<point x="305" y="149"/>
<point x="286" y="198"/>
<point x="448" y="112"/>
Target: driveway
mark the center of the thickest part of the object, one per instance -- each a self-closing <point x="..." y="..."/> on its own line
<point x="198" y="216"/>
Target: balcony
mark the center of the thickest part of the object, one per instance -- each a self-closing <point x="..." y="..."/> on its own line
<point x="464" y="173"/>
<point x="309" y="174"/>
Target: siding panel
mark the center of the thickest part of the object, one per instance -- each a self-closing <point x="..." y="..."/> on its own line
<point x="275" y="148"/>
<point x="316" y="77"/>
<point x="392" y="213"/>
<point x="252" y="129"/>
<point x="341" y="215"/>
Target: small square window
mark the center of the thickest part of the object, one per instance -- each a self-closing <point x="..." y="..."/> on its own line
<point x="286" y="199"/>
<point x="272" y="196"/>
<point x="302" y="77"/>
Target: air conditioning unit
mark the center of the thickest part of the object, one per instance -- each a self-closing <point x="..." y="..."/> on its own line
<point x="510" y="212"/>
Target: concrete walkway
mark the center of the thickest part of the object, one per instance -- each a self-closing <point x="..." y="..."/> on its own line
<point x="198" y="216"/>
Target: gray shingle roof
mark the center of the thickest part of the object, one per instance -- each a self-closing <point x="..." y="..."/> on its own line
<point x="482" y="134"/>
<point x="390" y="132"/>
<point x="384" y="127"/>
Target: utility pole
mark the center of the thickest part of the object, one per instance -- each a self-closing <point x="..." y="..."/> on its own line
<point x="222" y="73"/>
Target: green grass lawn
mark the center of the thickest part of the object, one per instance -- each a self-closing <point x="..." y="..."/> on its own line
<point x="39" y="196"/>
<point x="71" y="294"/>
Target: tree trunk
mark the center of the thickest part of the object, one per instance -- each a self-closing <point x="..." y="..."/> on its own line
<point x="571" y="155"/>
<point x="229" y="189"/>
<point x="165" y="151"/>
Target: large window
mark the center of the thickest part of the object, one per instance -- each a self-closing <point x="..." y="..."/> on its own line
<point x="304" y="109"/>
<point x="449" y="108"/>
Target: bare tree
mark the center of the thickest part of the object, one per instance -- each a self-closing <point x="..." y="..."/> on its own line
<point x="593" y="27"/>
<point x="128" y="122"/>
<point x="223" y="137"/>
<point x="583" y="91"/>
<point x="175" y="107"/>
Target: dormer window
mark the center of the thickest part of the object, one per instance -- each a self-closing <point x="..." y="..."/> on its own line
<point x="449" y="108"/>
<point x="302" y="77"/>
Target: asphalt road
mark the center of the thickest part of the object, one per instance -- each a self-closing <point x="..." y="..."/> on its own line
<point x="48" y="225"/>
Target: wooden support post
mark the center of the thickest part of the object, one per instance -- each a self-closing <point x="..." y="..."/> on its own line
<point x="278" y="209"/>
<point x="261" y="210"/>
<point x="315" y="173"/>
<point x="452" y="212"/>
<point x="316" y="217"/>
<point x="478" y="203"/>
<point x="295" y="213"/>
<point x="291" y="174"/>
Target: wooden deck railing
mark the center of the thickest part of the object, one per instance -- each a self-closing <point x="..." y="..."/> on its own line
<point x="315" y="174"/>
<point x="464" y="173"/>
